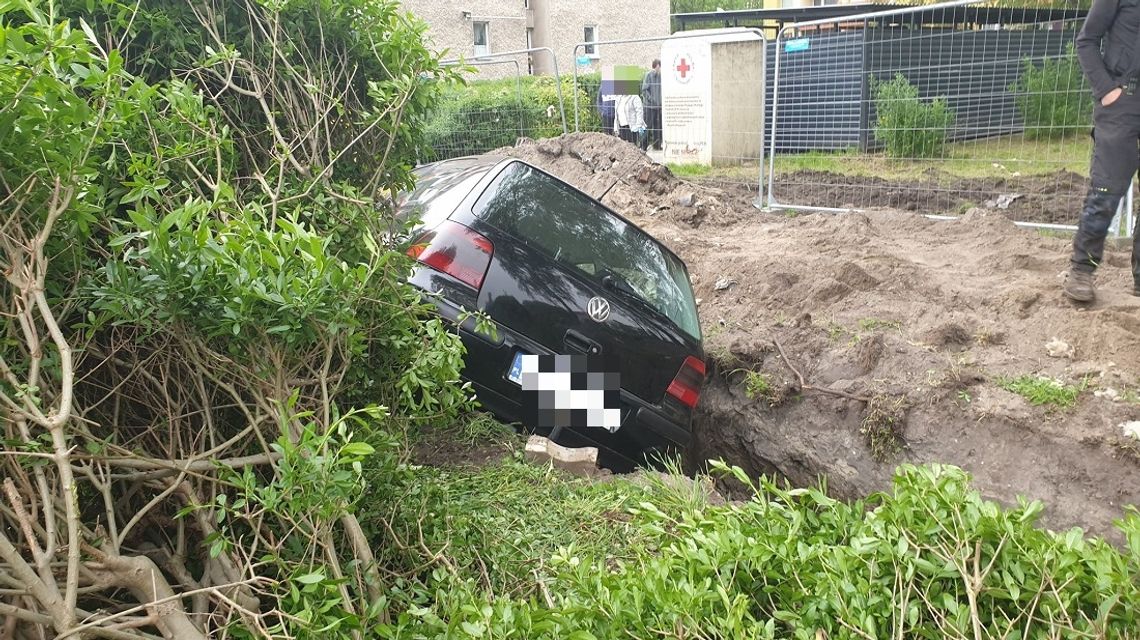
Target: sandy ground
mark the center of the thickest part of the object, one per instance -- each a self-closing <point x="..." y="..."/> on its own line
<point x="923" y="318"/>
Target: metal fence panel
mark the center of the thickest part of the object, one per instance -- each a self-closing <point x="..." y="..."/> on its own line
<point x="488" y="114"/>
<point x="933" y="108"/>
<point x="820" y="94"/>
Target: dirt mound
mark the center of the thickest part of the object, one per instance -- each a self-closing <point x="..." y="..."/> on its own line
<point x="905" y="331"/>
<point x="627" y="180"/>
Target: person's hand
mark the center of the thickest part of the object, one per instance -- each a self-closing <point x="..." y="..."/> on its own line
<point x="1111" y="96"/>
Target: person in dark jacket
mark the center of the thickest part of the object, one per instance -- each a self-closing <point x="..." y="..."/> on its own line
<point x="606" y="107"/>
<point x="1109" y="52"/>
<point x="651" y="97"/>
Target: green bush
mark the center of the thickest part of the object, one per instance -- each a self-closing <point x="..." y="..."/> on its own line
<point x="928" y="559"/>
<point x="1053" y="98"/>
<point x="203" y="336"/>
<point x="482" y="115"/>
<point x="908" y="127"/>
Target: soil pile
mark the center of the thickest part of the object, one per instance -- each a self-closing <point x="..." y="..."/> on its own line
<point x="905" y="332"/>
<point x="627" y="181"/>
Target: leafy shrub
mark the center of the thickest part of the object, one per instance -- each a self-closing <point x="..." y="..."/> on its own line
<point x="1053" y="98"/>
<point x="929" y="559"/>
<point x="908" y="127"/>
<point x="204" y="339"/>
<point x="483" y="115"/>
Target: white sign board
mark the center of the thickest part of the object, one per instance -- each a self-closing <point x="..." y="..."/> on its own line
<point x="686" y="92"/>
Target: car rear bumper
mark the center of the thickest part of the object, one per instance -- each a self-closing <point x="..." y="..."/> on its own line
<point x="645" y="429"/>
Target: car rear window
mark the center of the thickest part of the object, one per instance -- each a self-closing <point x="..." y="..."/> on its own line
<point x="576" y="231"/>
<point x="439" y="190"/>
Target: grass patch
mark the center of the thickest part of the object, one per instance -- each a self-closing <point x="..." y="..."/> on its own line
<point x="992" y="157"/>
<point x="1043" y="391"/>
<point x="758" y="385"/>
<point x="788" y="563"/>
<point x="483" y="428"/>
<point x="687" y="170"/>
<point x="499" y="523"/>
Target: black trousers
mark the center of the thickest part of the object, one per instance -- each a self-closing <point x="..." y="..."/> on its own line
<point x="653" y="124"/>
<point x="1116" y="134"/>
<point x="629" y="135"/>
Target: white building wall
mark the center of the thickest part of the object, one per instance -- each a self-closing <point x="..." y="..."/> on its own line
<point x="616" y="20"/>
<point x="558" y="24"/>
<point x="450" y="27"/>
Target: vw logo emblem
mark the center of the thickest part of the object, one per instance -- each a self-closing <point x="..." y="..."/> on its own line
<point x="598" y="309"/>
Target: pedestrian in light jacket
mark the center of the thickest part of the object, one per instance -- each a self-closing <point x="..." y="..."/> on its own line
<point x="629" y="120"/>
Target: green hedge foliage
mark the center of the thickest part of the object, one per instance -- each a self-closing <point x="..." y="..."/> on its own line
<point x="1053" y="98"/>
<point x="483" y="115"/>
<point x="928" y="559"/>
<point x="907" y="126"/>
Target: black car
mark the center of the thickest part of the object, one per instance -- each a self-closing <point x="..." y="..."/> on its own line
<point x="559" y="273"/>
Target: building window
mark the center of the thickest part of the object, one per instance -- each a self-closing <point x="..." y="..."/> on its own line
<point x="482" y="38"/>
<point x="590" y="34"/>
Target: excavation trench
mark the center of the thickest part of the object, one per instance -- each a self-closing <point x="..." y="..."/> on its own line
<point x="930" y="320"/>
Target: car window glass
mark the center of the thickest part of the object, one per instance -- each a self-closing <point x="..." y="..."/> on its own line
<point x="436" y="196"/>
<point x="576" y="231"/>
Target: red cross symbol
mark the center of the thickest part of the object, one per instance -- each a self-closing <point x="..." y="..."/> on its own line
<point x="683" y="68"/>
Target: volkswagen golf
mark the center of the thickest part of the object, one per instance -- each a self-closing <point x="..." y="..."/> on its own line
<point x="595" y="337"/>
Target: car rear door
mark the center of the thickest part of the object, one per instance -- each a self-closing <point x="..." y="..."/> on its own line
<point x="559" y="255"/>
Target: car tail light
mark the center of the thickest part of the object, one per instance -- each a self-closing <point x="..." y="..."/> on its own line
<point x="455" y="250"/>
<point x="686" y="386"/>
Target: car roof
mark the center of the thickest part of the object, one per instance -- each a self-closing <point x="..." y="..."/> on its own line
<point x="462" y="165"/>
<point x="488" y="161"/>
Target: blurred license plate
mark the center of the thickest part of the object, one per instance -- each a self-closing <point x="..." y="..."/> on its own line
<point x="514" y="374"/>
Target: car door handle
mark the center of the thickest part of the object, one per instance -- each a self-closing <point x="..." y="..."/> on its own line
<point x="579" y="343"/>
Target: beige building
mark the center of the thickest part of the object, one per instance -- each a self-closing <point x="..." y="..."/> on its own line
<point x="474" y="28"/>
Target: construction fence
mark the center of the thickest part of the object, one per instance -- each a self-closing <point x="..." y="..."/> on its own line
<point x="484" y="115"/>
<point x="934" y="109"/>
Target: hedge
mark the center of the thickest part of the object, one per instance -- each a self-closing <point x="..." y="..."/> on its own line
<point x="483" y="115"/>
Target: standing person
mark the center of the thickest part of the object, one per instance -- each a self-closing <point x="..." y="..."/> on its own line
<point x="651" y="96"/>
<point x="606" y="109"/>
<point x="1112" y="73"/>
<point x="629" y="120"/>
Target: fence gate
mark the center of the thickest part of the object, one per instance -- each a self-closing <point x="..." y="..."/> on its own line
<point x="469" y="121"/>
<point x="727" y="116"/>
<point x="934" y="109"/>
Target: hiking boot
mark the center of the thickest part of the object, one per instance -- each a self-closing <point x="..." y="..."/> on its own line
<point x="1079" y="286"/>
<point x="1136" y="289"/>
<point x="1088" y="242"/>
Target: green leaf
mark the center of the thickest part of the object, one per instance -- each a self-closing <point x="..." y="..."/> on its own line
<point x="310" y="578"/>
<point x="357" y="449"/>
<point x="474" y="629"/>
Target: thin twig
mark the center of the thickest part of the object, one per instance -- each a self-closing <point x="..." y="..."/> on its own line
<point x="807" y="387"/>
